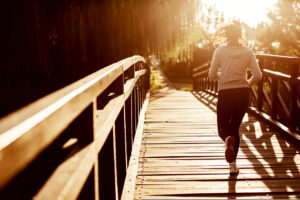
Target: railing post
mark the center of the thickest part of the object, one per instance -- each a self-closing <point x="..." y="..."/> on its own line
<point x="129" y="125"/>
<point x="210" y="84"/>
<point x="120" y="146"/>
<point x="293" y="96"/>
<point x="194" y="83"/>
<point x="200" y="83"/>
<point x="206" y="84"/>
<point x="274" y="98"/>
<point x="107" y="186"/>
<point x="134" y="111"/>
<point x="260" y="87"/>
<point x="147" y="77"/>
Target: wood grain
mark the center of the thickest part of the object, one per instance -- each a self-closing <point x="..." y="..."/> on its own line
<point x="182" y="156"/>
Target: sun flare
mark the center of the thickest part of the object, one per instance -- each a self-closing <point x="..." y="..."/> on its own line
<point x="251" y="12"/>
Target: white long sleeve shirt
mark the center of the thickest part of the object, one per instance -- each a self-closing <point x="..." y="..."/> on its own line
<point x="233" y="62"/>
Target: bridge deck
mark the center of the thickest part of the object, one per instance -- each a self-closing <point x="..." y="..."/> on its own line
<point x="182" y="156"/>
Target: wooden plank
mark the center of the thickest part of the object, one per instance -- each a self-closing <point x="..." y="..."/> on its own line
<point x="182" y="156"/>
<point x="171" y="172"/>
<point x="220" y="187"/>
<point x="226" y="196"/>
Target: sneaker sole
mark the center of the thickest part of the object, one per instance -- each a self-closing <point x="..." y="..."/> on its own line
<point x="229" y="152"/>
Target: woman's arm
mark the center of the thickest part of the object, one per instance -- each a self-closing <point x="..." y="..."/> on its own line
<point x="255" y="70"/>
<point x="213" y="73"/>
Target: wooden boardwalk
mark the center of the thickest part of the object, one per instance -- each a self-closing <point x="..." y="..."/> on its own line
<point x="182" y="156"/>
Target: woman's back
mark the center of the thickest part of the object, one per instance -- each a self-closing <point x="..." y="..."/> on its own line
<point x="233" y="62"/>
<point x="233" y="59"/>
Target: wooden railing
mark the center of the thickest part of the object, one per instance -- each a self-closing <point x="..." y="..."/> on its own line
<point x="75" y="143"/>
<point x="276" y="98"/>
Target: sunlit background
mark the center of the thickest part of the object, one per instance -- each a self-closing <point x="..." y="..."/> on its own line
<point x="251" y="12"/>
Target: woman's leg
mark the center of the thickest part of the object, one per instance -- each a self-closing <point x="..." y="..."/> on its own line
<point x="224" y="115"/>
<point x="231" y="108"/>
<point x="240" y="108"/>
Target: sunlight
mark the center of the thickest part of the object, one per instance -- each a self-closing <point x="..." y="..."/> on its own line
<point x="251" y="12"/>
<point x="258" y="131"/>
<point x="246" y="118"/>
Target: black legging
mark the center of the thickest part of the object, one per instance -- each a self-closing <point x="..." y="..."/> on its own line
<point x="231" y="108"/>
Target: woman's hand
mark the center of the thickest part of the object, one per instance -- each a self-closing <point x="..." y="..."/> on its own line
<point x="219" y="75"/>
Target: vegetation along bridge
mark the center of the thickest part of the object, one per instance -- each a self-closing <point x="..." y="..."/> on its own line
<point x="106" y="137"/>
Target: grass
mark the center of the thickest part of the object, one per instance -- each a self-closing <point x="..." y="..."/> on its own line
<point x="186" y="88"/>
<point x="155" y="81"/>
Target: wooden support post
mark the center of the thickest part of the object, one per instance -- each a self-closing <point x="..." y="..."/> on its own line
<point x="274" y="98"/>
<point x="107" y="187"/>
<point x="96" y="179"/>
<point x="116" y="177"/>
<point x="125" y="136"/>
<point x="293" y="96"/>
<point x="96" y="165"/>
<point x="129" y="126"/>
<point x="134" y="110"/>
<point x="194" y="84"/>
<point x="138" y="97"/>
<point x="208" y="84"/>
<point x="260" y="87"/>
<point x="120" y="141"/>
<point x="147" y="77"/>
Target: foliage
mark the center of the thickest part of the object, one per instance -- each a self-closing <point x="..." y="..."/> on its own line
<point x="59" y="42"/>
<point x="155" y="81"/>
<point x="282" y="34"/>
<point x="47" y="45"/>
<point x="171" y="28"/>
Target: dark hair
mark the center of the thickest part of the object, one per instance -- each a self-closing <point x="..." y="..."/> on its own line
<point x="231" y="31"/>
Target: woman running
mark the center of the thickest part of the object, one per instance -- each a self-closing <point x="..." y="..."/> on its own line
<point x="229" y="65"/>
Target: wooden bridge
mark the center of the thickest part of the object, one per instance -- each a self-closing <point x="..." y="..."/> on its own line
<point x="107" y="137"/>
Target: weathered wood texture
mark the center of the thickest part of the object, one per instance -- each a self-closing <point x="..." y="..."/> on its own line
<point x="182" y="156"/>
<point x="72" y="144"/>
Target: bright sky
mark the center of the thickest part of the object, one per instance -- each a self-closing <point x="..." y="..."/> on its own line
<point x="252" y="12"/>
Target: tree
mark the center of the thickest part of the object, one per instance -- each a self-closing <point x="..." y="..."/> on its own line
<point x="48" y="45"/>
<point x="282" y="34"/>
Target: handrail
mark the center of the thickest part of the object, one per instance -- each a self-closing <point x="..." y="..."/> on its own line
<point x="278" y="58"/>
<point x="84" y="117"/>
<point x="269" y="96"/>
